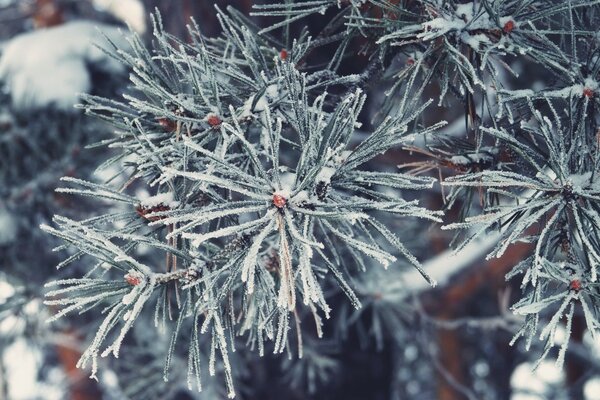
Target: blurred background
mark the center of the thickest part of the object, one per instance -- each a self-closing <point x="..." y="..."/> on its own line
<point x="451" y="342"/>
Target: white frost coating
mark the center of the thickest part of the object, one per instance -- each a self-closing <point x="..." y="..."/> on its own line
<point x="132" y="12"/>
<point x="8" y="228"/>
<point x="49" y="66"/>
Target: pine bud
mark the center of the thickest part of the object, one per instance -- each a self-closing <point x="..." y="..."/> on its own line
<point x="213" y="120"/>
<point x="509" y="26"/>
<point x="279" y="201"/>
<point x="283" y="54"/>
<point x="133" y="278"/>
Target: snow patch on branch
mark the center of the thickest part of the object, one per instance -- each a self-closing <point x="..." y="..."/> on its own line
<point x="447" y="264"/>
<point x="132" y="12"/>
<point x="50" y="67"/>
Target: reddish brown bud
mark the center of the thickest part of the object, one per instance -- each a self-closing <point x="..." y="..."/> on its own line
<point x="133" y="279"/>
<point x="589" y="93"/>
<point x="279" y="201"/>
<point x="283" y="54"/>
<point x="213" y="120"/>
<point x="410" y="61"/>
<point x="509" y="26"/>
<point x="575" y="285"/>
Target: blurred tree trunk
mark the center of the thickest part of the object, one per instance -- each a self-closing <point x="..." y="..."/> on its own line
<point x="448" y="303"/>
<point x="451" y="360"/>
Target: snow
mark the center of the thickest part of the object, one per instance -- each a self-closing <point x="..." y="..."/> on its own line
<point x="165" y="199"/>
<point x="439" y="27"/>
<point x="301" y="197"/>
<point x="21" y="374"/>
<point x="591" y="389"/>
<point x="485" y="154"/>
<point x="8" y="228"/>
<point x="285" y="193"/>
<point x="530" y="384"/>
<point x="592" y="343"/>
<point x="23" y="361"/>
<point x="334" y="159"/>
<point x="325" y="174"/>
<point x="132" y="12"/>
<point x="467" y="21"/>
<point x="576" y="90"/>
<point x="341" y="156"/>
<point x="590" y="83"/>
<point x="443" y="266"/>
<point x="49" y="66"/>
<point x="6" y="119"/>
<point x="270" y="94"/>
<point x="6" y="291"/>
<point x="288" y="180"/>
<point x="580" y="182"/>
<point x="477" y="41"/>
